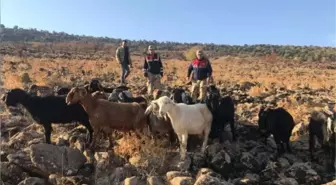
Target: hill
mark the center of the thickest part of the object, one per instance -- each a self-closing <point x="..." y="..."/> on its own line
<point x="45" y="44"/>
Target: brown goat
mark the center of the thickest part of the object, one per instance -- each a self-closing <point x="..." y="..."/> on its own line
<point x="109" y="116"/>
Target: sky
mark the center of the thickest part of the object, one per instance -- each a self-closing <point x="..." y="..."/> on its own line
<point x="235" y="22"/>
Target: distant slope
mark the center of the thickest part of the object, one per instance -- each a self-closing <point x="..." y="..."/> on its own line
<point x="40" y="43"/>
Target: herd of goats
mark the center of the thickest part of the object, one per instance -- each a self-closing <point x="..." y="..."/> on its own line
<point x="104" y="110"/>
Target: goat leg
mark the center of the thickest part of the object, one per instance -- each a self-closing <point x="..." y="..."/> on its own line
<point x="289" y="148"/>
<point x="172" y="137"/>
<point x="110" y="140"/>
<point x="279" y="145"/>
<point x="88" y="127"/>
<point x="233" y="131"/>
<point x="184" y="142"/>
<point x="47" y="132"/>
<point x="332" y="153"/>
<point x="93" y="143"/>
<point x="287" y="141"/>
<point x="181" y="146"/>
<point x="206" y="137"/>
<point x="311" y="146"/>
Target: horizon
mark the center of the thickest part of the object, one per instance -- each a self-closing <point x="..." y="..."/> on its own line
<point x="293" y="27"/>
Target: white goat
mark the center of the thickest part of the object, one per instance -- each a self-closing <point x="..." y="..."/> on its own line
<point x="186" y="120"/>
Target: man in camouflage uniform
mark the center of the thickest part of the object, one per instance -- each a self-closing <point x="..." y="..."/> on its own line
<point x="153" y="70"/>
<point x="123" y="57"/>
<point x="202" y="73"/>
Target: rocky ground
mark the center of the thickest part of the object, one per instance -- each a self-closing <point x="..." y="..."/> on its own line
<point x="27" y="160"/>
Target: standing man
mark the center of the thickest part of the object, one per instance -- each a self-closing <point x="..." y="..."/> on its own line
<point x="153" y="70"/>
<point x="202" y="73"/>
<point x="124" y="59"/>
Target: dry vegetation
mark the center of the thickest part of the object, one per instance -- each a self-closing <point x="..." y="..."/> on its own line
<point x="150" y="155"/>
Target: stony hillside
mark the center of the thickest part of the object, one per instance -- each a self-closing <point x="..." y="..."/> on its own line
<point x="25" y="159"/>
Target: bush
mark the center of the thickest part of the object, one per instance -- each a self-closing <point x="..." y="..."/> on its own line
<point x="191" y="53"/>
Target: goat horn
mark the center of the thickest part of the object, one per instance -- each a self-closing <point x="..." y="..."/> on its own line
<point x="149" y="109"/>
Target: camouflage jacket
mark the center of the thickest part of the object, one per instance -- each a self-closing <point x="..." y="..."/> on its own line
<point x="120" y="55"/>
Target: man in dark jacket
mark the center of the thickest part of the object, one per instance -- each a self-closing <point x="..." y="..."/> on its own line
<point x="153" y="70"/>
<point x="202" y="73"/>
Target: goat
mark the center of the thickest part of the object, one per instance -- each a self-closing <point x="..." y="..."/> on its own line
<point x="60" y="91"/>
<point x="280" y="123"/>
<point x="40" y="90"/>
<point x="106" y="116"/>
<point x="100" y="95"/>
<point x="49" y="109"/>
<point x="179" y="95"/>
<point x="157" y="93"/>
<point x="115" y="95"/>
<point x="323" y="127"/>
<point x="223" y="111"/>
<point x="95" y="85"/>
<point x="124" y="98"/>
<point x="159" y="124"/>
<point x="186" y="119"/>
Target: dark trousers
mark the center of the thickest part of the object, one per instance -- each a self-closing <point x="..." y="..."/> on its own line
<point x="125" y="71"/>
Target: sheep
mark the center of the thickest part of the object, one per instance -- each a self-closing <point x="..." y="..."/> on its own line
<point x="40" y="90"/>
<point x="109" y="116"/>
<point x="179" y="95"/>
<point x="223" y="111"/>
<point x="124" y="98"/>
<point x="280" y="123"/>
<point x="186" y="119"/>
<point x="323" y="127"/>
<point x="47" y="110"/>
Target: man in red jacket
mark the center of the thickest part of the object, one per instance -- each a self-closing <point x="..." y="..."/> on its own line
<point x="202" y="73"/>
<point x="153" y="70"/>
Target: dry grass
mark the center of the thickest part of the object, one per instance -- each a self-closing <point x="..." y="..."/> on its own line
<point x="145" y="153"/>
<point x="288" y="74"/>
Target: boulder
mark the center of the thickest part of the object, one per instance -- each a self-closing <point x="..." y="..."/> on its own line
<point x="303" y="173"/>
<point x="182" y="181"/>
<point x="155" y="180"/>
<point x="56" y="159"/>
<point x="11" y="173"/>
<point x="134" y="181"/>
<point x="210" y="180"/>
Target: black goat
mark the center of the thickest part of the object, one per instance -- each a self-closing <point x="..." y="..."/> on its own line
<point x="323" y="127"/>
<point x="124" y="98"/>
<point x="180" y="96"/>
<point x="61" y="91"/>
<point x="95" y="85"/>
<point x="223" y="111"/>
<point x="49" y="109"/>
<point x="278" y="122"/>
